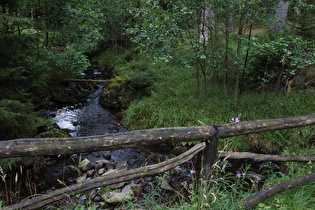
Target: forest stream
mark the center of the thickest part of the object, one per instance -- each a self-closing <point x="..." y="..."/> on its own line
<point x="92" y="119"/>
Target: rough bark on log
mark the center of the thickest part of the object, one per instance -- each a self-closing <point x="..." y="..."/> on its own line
<point x="271" y="191"/>
<point x="114" y="178"/>
<point x="265" y="157"/>
<point x="85" y="80"/>
<point x="209" y="157"/>
<point x="66" y="146"/>
<point x="247" y="127"/>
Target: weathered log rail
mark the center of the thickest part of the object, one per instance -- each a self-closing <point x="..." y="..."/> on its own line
<point x="115" y="178"/>
<point x="67" y="146"/>
<point x="207" y="134"/>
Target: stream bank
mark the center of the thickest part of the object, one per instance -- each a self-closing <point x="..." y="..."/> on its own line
<point x="77" y="111"/>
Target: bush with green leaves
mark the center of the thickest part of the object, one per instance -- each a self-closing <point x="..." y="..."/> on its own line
<point x="139" y="80"/>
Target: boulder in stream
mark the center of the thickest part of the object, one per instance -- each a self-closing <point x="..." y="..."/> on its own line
<point x="111" y="96"/>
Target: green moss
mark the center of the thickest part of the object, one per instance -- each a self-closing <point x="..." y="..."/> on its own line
<point x="116" y="84"/>
<point x="53" y="133"/>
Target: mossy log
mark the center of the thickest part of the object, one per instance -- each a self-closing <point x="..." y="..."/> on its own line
<point x="86" y="80"/>
<point x="67" y="146"/>
<point x="113" y="178"/>
<point x="274" y="189"/>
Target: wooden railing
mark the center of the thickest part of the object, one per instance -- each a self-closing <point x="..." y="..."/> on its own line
<point x="208" y="135"/>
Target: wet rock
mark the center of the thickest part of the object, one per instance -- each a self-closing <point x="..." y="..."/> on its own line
<point x="90" y="173"/>
<point x="101" y="163"/>
<point x="96" y="154"/>
<point x="53" y="133"/>
<point x="112" y="95"/>
<point x="114" y="197"/>
<point x="107" y="155"/>
<point x="64" y="99"/>
<point x="101" y="171"/>
<point x="86" y="165"/>
<point x="122" y="165"/>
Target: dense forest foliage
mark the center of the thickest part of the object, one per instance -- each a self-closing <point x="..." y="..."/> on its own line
<point x="246" y="44"/>
<point x="42" y="43"/>
<point x="186" y="62"/>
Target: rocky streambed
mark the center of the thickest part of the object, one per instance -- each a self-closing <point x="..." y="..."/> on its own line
<point x="79" y="111"/>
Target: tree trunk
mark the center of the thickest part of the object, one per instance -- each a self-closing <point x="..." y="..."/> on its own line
<point x="246" y="59"/>
<point x="47" y="24"/>
<point x="226" y="59"/>
<point x="198" y="82"/>
<point x="151" y="170"/>
<point x="237" y="75"/>
<point x="271" y="191"/>
<point x="67" y="146"/>
<point x="281" y="15"/>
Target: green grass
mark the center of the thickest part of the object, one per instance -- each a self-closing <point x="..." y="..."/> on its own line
<point x="173" y="102"/>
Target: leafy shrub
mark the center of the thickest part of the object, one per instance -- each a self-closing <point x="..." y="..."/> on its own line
<point x="140" y="80"/>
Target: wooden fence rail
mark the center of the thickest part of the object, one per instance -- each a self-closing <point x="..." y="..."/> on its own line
<point x="208" y="134"/>
<point x="71" y="145"/>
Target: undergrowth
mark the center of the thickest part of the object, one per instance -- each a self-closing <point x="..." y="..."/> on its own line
<point x="174" y="103"/>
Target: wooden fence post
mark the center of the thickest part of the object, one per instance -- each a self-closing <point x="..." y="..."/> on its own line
<point x="210" y="155"/>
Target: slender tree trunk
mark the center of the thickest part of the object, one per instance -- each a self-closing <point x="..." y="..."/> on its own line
<point x="278" y="81"/>
<point x="246" y="59"/>
<point x="37" y="31"/>
<point x="237" y="75"/>
<point x="47" y="24"/>
<point x="205" y="77"/>
<point x="197" y="59"/>
<point x="226" y="60"/>
<point x="204" y="42"/>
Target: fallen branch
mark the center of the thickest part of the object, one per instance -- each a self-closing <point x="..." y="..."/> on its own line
<point x="114" y="178"/>
<point x="86" y="80"/>
<point x="67" y="146"/>
<point x="271" y="191"/>
<point x="265" y="157"/>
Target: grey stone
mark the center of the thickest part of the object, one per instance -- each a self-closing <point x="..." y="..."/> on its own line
<point x="101" y="171"/>
<point x="86" y="165"/>
<point x="114" y="197"/>
<point x="101" y="163"/>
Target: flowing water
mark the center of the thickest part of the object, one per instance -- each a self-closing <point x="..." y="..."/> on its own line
<point x="89" y="120"/>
